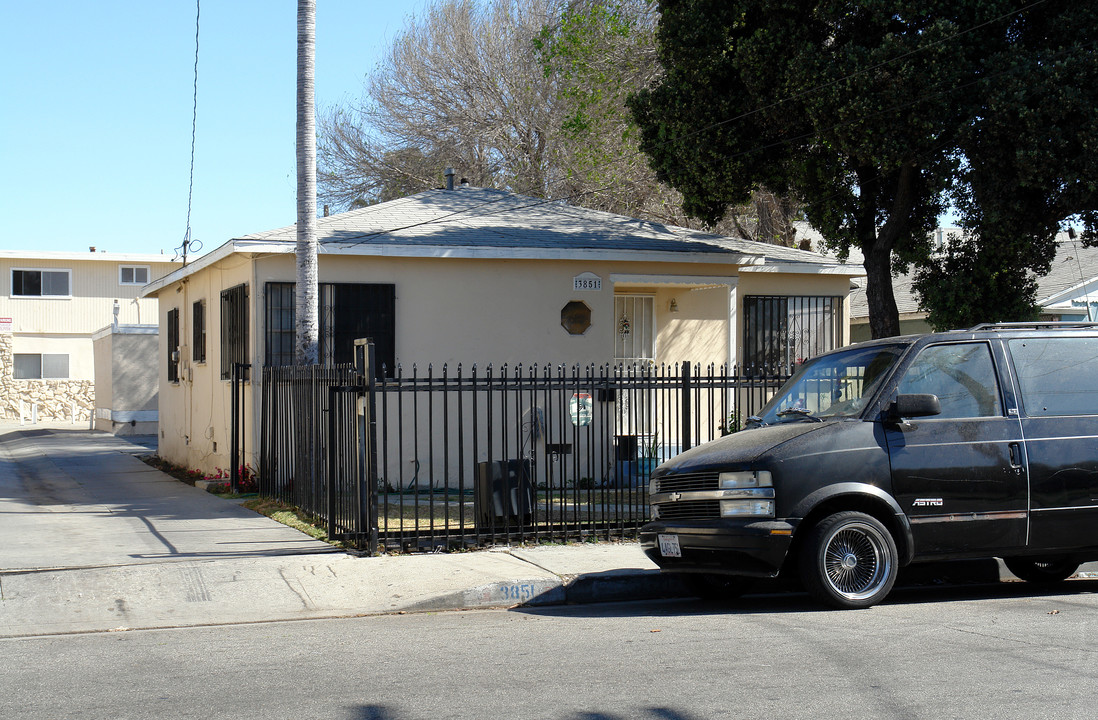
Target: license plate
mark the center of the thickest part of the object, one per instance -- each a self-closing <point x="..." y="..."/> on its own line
<point x="669" y="546"/>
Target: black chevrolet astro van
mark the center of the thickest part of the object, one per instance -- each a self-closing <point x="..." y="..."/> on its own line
<point x="964" y="444"/>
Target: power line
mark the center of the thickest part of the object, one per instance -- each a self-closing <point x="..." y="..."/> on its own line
<point x="194" y="133"/>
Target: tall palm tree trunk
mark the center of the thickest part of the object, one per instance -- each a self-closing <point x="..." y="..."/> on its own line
<point x="308" y="326"/>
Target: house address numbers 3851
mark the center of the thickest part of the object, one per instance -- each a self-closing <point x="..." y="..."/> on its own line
<point x="587" y="281"/>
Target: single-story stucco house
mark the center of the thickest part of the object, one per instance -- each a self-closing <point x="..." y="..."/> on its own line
<point x="480" y="276"/>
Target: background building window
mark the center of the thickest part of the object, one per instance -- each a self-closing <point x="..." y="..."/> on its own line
<point x="234" y="329"/>
<point x="173" y="345"/>
<point x="34" y="366"/>
<point x="348" y="311"/>
<point x="198" y="332"/>
<point x="40" y="283"/>
<point x="133" y="275"/>
<point x="780" y="331"/>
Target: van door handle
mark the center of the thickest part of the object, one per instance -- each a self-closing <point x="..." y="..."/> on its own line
<point x="1016" y="458"/>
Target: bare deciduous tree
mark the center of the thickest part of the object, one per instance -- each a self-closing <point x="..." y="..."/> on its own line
<point x="522" y="96"/>
<point x="461" y="87"/>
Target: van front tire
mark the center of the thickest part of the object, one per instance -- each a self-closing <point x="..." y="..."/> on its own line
<point x="849" y="561"/>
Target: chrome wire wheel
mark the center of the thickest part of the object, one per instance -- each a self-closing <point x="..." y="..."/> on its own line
<point x="856" y="561"/>
<point x="849" y="560"/>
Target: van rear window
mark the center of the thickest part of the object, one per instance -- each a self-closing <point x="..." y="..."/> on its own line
<point x="1058" y="376"/>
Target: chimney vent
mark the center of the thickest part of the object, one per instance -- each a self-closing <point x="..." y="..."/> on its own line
<point x="450" y="178"/>
<point x="91" y="249"/>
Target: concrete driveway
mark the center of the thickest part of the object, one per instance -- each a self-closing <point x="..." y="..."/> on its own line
<point x="79" y="498"/>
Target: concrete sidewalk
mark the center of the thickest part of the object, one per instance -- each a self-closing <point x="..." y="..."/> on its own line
<point x="94" y="540"/>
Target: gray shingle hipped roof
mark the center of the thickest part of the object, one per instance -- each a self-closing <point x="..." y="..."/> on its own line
<point x="468" y="217"/>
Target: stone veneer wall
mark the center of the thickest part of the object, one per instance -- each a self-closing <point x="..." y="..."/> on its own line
<point x="55" y="398"/>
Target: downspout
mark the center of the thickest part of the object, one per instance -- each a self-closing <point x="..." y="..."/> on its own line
<point x="733" y="324"/>
<point x="257" y="367"/>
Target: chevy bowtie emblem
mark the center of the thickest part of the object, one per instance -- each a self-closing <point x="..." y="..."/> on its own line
<point x="674" y="497"/>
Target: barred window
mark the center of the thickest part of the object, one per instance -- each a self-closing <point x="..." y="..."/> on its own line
<point x="198" y="332"/>
<point x="348" y="311"/>
<point x="173" y="345"/>
<point x="780" y="331"/>
<point x="234" y="329"/>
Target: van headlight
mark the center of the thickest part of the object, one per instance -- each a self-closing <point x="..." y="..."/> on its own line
<point x="745" y="479"/>
<point x="747" y="508"/>
<point x="748" y="493"/>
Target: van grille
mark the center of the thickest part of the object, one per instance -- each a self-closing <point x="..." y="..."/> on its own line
<point x="687" y="482"/>
<point x="690" y="510"/>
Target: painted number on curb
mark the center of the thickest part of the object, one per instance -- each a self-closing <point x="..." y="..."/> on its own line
<point x="518" y="593"/>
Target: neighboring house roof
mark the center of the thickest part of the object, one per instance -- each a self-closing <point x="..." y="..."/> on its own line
<point x="1073" y="268"/>
<point x="32" y="255"/>
<point x="906" y="302"/>
<point x="484" y="223"/>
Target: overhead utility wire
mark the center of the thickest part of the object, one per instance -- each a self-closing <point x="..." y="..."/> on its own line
<point x="194" y="132"/>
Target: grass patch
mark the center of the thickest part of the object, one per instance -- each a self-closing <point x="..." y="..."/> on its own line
<point x="290" y="516"/>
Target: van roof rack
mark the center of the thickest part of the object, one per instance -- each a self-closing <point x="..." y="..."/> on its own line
<point x="1033" y="325"/>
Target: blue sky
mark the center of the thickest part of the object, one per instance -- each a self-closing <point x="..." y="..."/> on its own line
<point x="95" y="115"/>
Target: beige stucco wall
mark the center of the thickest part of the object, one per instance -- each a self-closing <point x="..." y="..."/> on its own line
<point x="194" y="412"/>
<point x="126" y="380"/>
<point x="449" y="311"/>
<point x="103" y="352"/>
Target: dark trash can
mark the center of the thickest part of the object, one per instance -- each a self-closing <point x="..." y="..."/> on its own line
<point x="504" y="494"/>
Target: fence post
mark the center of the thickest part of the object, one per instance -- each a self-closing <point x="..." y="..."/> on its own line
<point x="687" y="414"/>
<point x="333" y="391"/>
<point x="237" y="422"/>
<point x="365" y="360"/>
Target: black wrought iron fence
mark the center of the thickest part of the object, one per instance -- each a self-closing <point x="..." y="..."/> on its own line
<point x="467" y="458"/>
<point x="295" y="434"/>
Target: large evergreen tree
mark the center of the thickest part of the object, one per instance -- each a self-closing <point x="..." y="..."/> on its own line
<point x="878" y="114"/>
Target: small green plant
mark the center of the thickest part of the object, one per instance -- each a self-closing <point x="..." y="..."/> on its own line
<point x="732" y="424"/>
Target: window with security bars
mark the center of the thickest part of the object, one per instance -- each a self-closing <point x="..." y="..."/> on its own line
<point x="634" y="329"/>
<point x="234" y="329"/>
<point x="781" y="331"/>
<point x="173" y="345"/>
<point x="348" y="311"/>
<point x="198" y="332"/>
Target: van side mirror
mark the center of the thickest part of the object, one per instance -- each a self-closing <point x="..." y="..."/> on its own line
<point x="914" y="405"/>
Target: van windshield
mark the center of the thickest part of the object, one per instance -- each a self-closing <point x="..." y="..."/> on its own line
<point x="838" y="384"/>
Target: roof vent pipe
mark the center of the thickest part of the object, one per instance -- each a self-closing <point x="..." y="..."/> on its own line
<point x="450" y="178"/>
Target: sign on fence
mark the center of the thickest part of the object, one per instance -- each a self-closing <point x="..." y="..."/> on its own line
<point x="581" y="409"/>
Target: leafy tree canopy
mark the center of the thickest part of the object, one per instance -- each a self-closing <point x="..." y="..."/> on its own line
<point x="880" y="114"/>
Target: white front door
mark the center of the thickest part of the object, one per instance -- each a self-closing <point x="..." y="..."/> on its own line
<point x="634" y="329"/>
